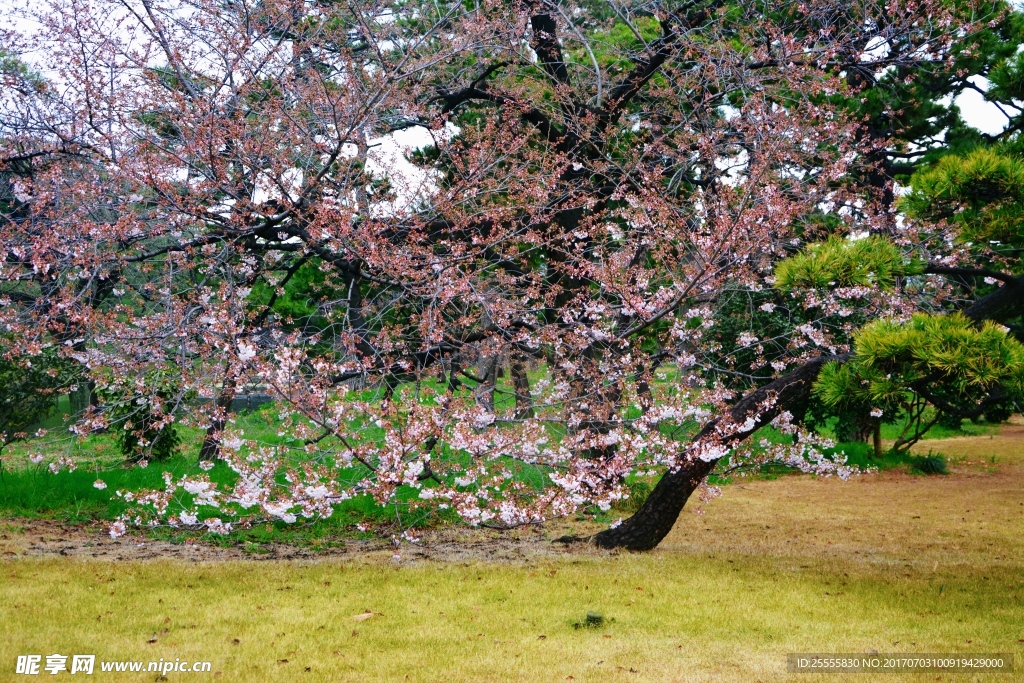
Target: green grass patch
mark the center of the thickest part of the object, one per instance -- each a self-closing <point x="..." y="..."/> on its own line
<point x="34" y="492"/>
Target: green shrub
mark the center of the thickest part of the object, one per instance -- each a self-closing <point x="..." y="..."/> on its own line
<point x="143" y="437"/>
<point x="1000" y="412"/>
<point x="29" y="386"/>
<point x="950" y="421"/>
<point x="930" y="464"/>
<point x="144" y="425"/>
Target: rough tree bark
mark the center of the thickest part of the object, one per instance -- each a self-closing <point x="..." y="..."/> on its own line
<point x="488" y="373"/>
<point x="657" y="516"/>
<point x="211" y="442"/>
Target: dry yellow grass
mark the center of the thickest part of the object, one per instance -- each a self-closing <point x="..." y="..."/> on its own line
<point x="973" y="518"/>
<point x="891" y="562"/>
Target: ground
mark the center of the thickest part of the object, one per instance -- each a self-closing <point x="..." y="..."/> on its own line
<point x="890" y="562"/>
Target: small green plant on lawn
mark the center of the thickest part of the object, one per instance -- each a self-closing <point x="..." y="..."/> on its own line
<point x="933" y="463"/>
<point x="592" y="620"/>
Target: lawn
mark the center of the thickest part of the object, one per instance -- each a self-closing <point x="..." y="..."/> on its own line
<point x="892" y="562"/>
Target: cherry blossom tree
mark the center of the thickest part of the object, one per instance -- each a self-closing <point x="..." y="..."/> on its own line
<point x="204" y="203"/>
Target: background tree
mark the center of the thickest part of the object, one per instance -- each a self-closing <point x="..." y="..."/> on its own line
<point x="29" y="386"/>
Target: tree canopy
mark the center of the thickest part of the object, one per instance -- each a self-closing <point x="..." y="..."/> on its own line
<point x="675" y="223"/>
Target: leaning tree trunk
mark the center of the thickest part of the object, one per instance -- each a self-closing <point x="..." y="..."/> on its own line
<point x="657" y="516"/>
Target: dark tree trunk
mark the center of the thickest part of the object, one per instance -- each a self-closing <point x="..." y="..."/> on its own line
<point x="643" y="388"/>
<point x="521" y="385"/>
<point x="1005" y="303"/>
<point x="657" y="516"/>
<point x="454" y="365"/>
<point x="484" y="392"/>
<point x="211" y="444"/>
